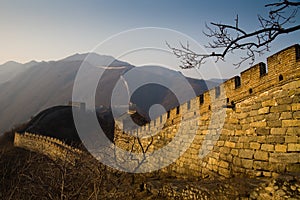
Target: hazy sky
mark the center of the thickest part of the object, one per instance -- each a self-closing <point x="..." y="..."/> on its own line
<point x="53" y="29"/>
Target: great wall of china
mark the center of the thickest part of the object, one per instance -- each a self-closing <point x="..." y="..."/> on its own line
<point x="51" y="147"/>
<point x="247" y="126"/>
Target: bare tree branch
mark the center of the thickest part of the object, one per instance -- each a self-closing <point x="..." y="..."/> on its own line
<point x="231" y="38"/>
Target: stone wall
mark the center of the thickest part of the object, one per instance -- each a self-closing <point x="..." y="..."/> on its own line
<point x="51" y="147"/>
<point x="247" y="126"/>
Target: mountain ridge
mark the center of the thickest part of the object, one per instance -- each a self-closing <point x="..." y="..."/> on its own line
<point x="40" y="85"/>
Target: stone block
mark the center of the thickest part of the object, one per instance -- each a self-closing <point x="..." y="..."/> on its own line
<point x="267" y="174"/>
<point x="234" y="152"/>
<point x="272" y="116"/>
<point x="274" y="123"/>
<point x="261" y="155"/>
<point x="247" y="163"/>
<point x="278" y="131"/>
<point x="275" y="139"/>
<point x="264" y="110"/>
<point x="239" y="145"/>
<point x="224" y="164"/>
<point x="261" y="165"/>
<point x="254" y="145"/>
<point x="267" y="147"/>
<point x="224" y="172"/>
<point x="258" y="124"/>
<point x="262" y="131"/>
<point x="293" y="131"/>
<point x="284" y="100"/>
<point x="280" y="148"/>
<point x="224" y="150"/>
<point x="291" y="123"/>
<point x="296" y="115"/>
<point x="293" y="168"/>
<point x="229" y="144"/>
<point x="294" y="147"/>
<point x="246" y="153"/>
<point x="253" y="113"/>
<point x="280" y="108"/>
<point x="271" y="102"/>
<point x="296" y="106"/>
<point x="286" y="115"/>
<point x="258" y="118"/>
<point x="291" y="139"/>
<point x="284" y="157"/>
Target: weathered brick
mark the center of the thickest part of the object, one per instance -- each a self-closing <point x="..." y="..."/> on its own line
<point x="224" y="172"/>
<point x="280" y="108"/>
<point x="234" y="152"/>
<point x="258" y="118"/>
<point x="284" y="100"/>
<point x="278" y="131"/>
<point x="237" y="161"/>
<point x="274" y="123"/>
<point x="229" y="144"/>
<point x="280" y="148"/>
<point x="261" y="165"/>
<point x="270" y="102"/>
<point x="296" y="106"/>
<point x="256" y="106"/>
<point x="291" y="139"/>
<point x="296" y="115"/>
<point x="293" y="168"/>
<point x="290" y="123"/>
<point x="293" y="131"/>
<point x="253" y="113"/>
<point x="275" y="139"/>
<point x="254" y="145"/>
<point x="272" y="116"/>
<point x="223" y="164"/>
<point x="242" y="115"/>
<point x="224" y="149"/>
<point x="246" y="153"/>
<point x="247" y="163"/>
<point x="284" y="157"/>
<point x="239" y="145"/>
<point x="261" y="155"/>
<point x="264" y="110"/>
<point x="286" y="115"/>
<point x="294" y="147"/>
<point x="267" y="174"/>
<point x="258" y="124"/>
<point x="262" y="131"/>
<point x="267" y="147"/>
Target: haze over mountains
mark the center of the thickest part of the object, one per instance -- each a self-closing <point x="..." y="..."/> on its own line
<point x="26" y="89"/>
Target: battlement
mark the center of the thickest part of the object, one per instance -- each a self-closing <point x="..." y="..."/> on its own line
<point x="281" y="66"/>
<point x="52" y="147"/>
<point x="248" y="125"/>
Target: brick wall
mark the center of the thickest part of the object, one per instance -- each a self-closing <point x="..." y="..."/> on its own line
<point x="52" y="147"/>
<point x="252" y="128"/>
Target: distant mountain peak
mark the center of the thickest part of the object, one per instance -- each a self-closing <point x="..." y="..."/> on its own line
<point x="33" y="62"/>
<point x="11" y="63"/>
<point x="96" y="59"/>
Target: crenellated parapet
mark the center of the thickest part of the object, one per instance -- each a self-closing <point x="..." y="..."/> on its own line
<point x="248" y="125"/>
<point x="52" y="147"/>
<point x="281" y="67"/>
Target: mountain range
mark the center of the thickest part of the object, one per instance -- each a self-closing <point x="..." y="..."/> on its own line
<point x="26" y="89"/>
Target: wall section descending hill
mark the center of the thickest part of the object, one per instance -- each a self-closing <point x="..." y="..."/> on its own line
<point x="247" y="126"/>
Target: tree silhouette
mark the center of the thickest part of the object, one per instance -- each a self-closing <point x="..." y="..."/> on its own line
<point x="231" y="38"/>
